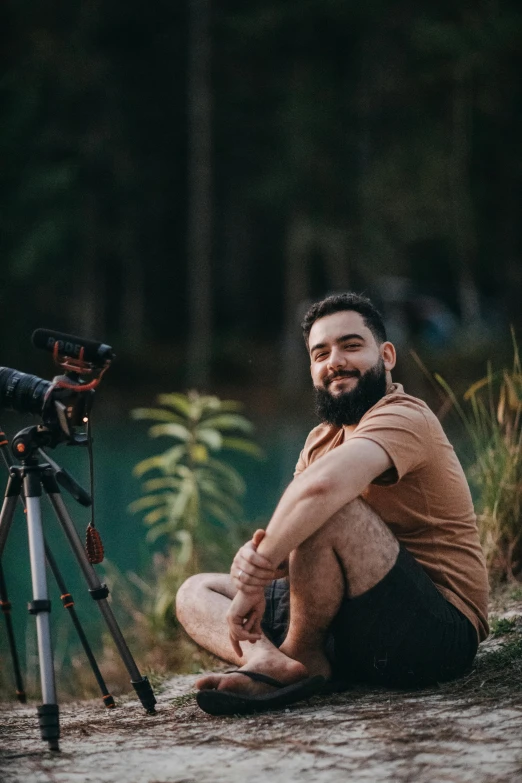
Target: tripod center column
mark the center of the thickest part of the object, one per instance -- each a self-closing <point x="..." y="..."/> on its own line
<point x="40" y="605"/>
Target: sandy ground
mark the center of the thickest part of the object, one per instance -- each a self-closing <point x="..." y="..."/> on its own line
<point x="458" y="732"/>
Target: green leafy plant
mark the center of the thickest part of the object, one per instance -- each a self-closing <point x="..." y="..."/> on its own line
<point x="192" y="497"/>
<point x="492" y="416"/>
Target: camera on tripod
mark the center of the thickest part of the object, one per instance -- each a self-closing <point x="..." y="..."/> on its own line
<point x="64" y="403"/>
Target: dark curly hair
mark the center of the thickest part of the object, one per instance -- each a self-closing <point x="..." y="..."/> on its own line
<point x="348" y="301"/>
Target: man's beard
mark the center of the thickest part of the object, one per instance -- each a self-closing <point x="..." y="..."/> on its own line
<point x="349" y="407"/>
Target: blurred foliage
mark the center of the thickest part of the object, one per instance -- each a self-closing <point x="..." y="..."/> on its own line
<point x="499" y="626"/>
<point x="194" y="500"/>
<point x="492" y="417"/>
<point x="395" y="124"/>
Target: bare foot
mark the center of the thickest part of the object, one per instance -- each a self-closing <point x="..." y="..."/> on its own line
<point x="315" y="661"/>
<point x="274" y="663"/>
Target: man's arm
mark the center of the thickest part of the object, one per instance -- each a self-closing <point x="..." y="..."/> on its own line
<point x="310" y="500"/>
<point x="320" y="491"/>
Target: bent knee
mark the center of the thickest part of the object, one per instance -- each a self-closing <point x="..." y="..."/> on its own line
<point x="354" y="520"/>
<point x="358" y="508"/>
<point x="192" y="592"/>
<point x="188" y="588"/>
<point x="189" y="594"/>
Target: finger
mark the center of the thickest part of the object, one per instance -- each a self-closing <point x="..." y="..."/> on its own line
<point x="256" y="627"/>
<point x="243" y="566"/>
<point x="253" y="572"/>
<point x="258" y="537"/>
<point x="252" y="580"/>
<point x="247" y="589"/>
<point x="260" y="579"/>
<point x="252" y="624"/>
<point x="242" y="635"/>
<point x="252" y="638"/>
<point x="241" y="580"/>
<point x="251" y="555"/>
<point x="236" y="646"/>
<point x="238" y="629"/>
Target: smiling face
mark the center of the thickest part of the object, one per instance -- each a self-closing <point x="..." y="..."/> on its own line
<point x="350" y="370"/>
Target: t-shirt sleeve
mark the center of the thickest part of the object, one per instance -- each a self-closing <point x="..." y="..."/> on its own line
<point x="402" y="431"/>
<point x="313" y="439"/>
<point x="301" y="464"/>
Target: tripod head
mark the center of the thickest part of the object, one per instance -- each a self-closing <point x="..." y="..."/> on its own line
<point x="31" y="441"/>
<point x="26" y="443"/>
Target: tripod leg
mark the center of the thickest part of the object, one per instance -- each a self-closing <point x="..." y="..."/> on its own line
<point x="41" y="607"/>
<point x="12" y="494"/>
<point x="99" y="593"/>
<point x="68" y="603"/>
<point x="5" y="606"/>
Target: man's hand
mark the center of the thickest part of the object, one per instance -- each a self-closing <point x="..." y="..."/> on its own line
<point x="251" y="571"/>
<point x="244" y="618"/>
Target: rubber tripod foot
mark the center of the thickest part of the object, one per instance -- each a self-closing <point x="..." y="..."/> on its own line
<point x="145" y="694"/>
<point x="48" y="718"/>
<point x="109" y="702"/>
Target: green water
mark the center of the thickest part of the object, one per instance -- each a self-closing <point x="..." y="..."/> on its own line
<point x="117" y="449"/>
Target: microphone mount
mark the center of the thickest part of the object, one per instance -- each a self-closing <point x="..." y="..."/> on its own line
<point x="78" y="349"/>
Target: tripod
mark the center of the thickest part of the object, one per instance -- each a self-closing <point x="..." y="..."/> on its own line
<point x="28" y="481"/>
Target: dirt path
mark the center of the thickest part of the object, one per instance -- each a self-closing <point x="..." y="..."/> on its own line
<point x="465" y="731"/>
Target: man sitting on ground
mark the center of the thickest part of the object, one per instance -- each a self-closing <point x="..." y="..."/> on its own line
<point x="386" y="578"/>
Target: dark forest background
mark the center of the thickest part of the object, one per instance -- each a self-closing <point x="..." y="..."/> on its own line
<point x="180" y="178"/>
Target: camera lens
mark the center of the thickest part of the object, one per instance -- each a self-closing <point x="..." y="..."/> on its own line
<point x="22" y="392"/>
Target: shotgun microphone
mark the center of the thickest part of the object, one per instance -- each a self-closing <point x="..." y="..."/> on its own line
<point x="68" y="345"/>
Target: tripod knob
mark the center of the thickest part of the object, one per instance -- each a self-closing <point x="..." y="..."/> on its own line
<point x="26" y="442"/>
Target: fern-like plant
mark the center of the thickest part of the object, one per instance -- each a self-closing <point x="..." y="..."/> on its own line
<point x="192" y="496"/>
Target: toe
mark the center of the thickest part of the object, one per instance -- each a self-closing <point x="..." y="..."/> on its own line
<point x="208" y="683"/>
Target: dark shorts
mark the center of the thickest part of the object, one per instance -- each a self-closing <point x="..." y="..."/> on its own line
<point x="400" y="633"/>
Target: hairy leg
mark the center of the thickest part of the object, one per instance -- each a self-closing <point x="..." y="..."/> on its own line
<point x="201" y="606"/>
<point x="351" y="553"/>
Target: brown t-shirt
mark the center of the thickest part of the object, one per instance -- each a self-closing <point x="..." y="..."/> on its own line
<point x="424" y="499"/>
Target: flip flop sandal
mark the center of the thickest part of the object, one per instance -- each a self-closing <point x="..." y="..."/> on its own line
<point x="229" y="703"/>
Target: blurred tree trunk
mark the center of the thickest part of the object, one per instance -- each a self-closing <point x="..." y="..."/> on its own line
<point x="297" y="272"/>
<point x="132" y="314"/>
<point x="304" y="236"/>
<point x="364" y="100"/>
<point x="236" y="283"/>
<point x="461" y="202"/>
<point x="88" y="314"/>
<point x="334" y="245"/>
<point x="132" y="305"/>
<point x="199" y="194"/>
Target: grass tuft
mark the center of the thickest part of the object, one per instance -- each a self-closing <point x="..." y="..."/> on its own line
<point x="499" y="626"/>
<point x="184" y="699"/>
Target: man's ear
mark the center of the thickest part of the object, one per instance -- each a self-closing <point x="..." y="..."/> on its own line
<point x="389" y="355"/>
